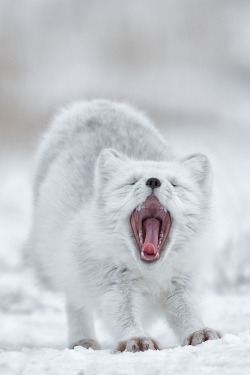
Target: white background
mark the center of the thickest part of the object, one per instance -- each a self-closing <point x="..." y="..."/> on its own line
<point x="185" y="63"/>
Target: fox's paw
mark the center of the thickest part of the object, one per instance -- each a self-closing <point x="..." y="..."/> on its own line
<point x="87" y="343"/>
<point x="137" y="344"/>
<point x="198" y="337"/>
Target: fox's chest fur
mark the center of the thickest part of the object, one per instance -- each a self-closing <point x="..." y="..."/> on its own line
<point x="116" y="221"/>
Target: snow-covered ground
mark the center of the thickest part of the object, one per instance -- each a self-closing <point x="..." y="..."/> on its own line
<point x="229" y="356"/>
<point x="33" y="326"/>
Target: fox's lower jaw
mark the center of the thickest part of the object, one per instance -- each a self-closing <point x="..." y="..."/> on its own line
<point x="151" y="223"/>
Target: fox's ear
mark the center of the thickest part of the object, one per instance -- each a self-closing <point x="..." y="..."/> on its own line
<point x="108" y="162"/>
<point x="200" y="169"/>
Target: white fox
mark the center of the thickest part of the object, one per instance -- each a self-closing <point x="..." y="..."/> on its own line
<point x="115" y="227"/>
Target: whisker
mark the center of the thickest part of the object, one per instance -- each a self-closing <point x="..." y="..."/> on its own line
<point x="115" y="195"/>
<point x="183" y="198"/>
<point x="120" y="208"/>
<point x="180" y="213"/>
<point x="158" y="213"/>
<point x="186" y="199"/>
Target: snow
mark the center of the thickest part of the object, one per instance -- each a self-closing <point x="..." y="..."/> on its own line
<point x="224" y="356"/>
<point x="230" y="355"/>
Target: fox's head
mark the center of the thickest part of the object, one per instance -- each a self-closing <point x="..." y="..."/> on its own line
<point x="151" y="208"/>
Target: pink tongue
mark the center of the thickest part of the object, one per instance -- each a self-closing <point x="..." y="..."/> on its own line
<point x="151" y="227"/>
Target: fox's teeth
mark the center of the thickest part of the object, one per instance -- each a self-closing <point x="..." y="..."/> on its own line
<point x="138" y="208"/>
<point x="140" y="237"/>
<point x="160" y="239"/>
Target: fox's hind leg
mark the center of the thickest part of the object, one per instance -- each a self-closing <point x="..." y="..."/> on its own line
<point x="81" y="329"/>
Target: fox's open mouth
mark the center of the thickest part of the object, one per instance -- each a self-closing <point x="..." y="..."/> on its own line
<point x="150" y="223"/>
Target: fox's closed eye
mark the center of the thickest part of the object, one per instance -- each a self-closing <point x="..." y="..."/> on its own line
<point x="173" y="183"/>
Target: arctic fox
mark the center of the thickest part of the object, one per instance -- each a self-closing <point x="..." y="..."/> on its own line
<point x="116" y="221"/>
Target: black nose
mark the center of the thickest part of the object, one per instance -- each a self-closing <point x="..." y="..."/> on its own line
<point x="153" y="182"/>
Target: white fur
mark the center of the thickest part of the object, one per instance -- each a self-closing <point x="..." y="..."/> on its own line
<point x="92" y="166"/>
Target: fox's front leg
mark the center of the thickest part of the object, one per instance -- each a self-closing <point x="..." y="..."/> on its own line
<point x="185" y="320"/>
<point x="121" y="310"/>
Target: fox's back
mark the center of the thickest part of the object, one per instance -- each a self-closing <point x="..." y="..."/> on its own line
<point x="81" y="131"/>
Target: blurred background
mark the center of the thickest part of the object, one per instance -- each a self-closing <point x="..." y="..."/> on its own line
<point x="185" y="63"/>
